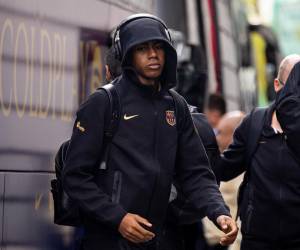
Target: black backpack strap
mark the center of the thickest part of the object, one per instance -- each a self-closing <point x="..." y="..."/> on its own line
<point x="110" y="126"/>
<point x="112" y="120"/>
<point x="179" y="104"/>
<point x="60" y="158"/>
<point x="255" y="125"/>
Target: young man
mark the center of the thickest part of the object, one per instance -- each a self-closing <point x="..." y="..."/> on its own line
<point x="271" y="200"/>
<point x="124" y="204"/>
<point x="188" y="236"/>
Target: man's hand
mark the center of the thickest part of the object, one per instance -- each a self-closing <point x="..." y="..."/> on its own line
<point x="131" y="228"/>
<point x="229" y="227"/>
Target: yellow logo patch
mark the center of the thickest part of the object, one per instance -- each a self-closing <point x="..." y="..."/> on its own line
<point x="82" y="129"/>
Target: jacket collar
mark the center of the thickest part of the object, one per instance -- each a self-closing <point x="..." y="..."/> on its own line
<point x="130" y="76"/>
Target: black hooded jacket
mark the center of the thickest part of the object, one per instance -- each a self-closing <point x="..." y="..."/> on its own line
<point x="146" y="154"/>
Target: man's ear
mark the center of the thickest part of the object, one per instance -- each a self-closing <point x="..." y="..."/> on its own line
<point x="277" y="85"/>
<point x="107" y="73"/>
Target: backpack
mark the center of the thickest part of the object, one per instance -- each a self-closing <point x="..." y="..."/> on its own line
<point x="254" y="127"/>
<point x="66" y="211"/>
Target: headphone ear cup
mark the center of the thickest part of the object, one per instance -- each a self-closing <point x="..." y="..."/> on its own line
<point x="118" y="52"/>
<point x="168" y="35"/>
<point x="117" y="44"/>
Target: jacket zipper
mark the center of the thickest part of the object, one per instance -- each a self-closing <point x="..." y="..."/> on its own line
<point x="249" y="216"/>
<point x="117" y="185"/>
<point x="283" y="136"/>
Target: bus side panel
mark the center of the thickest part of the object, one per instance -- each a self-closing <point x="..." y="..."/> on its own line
<point x="1" y="207"/>
<point x="28" y="214"/>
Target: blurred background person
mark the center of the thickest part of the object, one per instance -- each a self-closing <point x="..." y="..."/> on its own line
<point x="225" y="130"/>
<point x="215" y="109"/>
<point x="112" y="65"/>
<point x="226" y="127"/>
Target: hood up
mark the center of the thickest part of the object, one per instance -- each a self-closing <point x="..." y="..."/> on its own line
<point x="144" y="30"/>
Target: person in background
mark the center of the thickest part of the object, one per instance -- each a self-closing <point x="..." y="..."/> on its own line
<point x="270" y="202"/>
<point x="225" y="130"/>
<point x="113" y="67"/>
<point x="215" y="109"/>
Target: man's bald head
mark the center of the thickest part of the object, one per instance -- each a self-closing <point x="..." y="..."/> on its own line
<point x="226" y="127"/>
<point x="286" y="67"/>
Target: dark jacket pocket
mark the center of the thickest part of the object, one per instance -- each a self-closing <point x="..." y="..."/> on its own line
<point x="117" y="186"/>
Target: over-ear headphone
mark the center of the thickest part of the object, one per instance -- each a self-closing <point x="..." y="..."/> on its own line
<point x="116" y="38"/>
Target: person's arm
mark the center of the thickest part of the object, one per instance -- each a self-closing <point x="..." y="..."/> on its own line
<point x="83" y="160"/>
<point x="207" y="135"/>
<point x="194" y="176"/>
<point x="197" y="181"/>
<point x="288" y="116"/>
<point x="233" y="160"/>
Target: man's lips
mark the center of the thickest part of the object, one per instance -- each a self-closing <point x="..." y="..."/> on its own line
<point x="153" y="66"/>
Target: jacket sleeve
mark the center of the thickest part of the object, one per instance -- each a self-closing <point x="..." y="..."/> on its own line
<point x="288" y="116"/>
<point x="233" y="160"/>
<point x="83" y="157"/>
<point x="194" y="177"/>
<point x="208" y="138"/>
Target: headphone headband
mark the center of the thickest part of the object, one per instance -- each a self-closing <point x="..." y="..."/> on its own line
<point x="116" y="39"/>
<point x="140" y="16"/>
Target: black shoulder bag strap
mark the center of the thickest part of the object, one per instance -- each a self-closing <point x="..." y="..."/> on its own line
<point x="254" y="127"/>
<point x="112" y="120"/>
<point x="179" y="104"/>
<point x="110" y="126"/>
<point x="115" y="110"/>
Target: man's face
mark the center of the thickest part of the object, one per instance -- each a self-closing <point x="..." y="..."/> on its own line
<point x="213" y="116"/>
<point x="224" y="135"/>
<point x="226" y="127"/>
<point x="285" y="69"/>
<point x="148" y="59"/>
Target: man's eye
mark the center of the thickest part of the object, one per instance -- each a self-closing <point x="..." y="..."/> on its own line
<point x="141" y="48"/>
<point x="158" y="46"/>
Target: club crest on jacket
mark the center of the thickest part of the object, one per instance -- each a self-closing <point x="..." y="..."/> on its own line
<point x="170" y="117"/>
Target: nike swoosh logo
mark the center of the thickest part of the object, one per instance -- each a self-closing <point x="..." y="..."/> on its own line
<point x="129" y="117"/>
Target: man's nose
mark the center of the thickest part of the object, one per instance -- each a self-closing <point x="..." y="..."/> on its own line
<point x="152" y="52"/>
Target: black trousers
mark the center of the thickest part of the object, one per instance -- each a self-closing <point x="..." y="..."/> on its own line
<point x="114" y="243"/>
